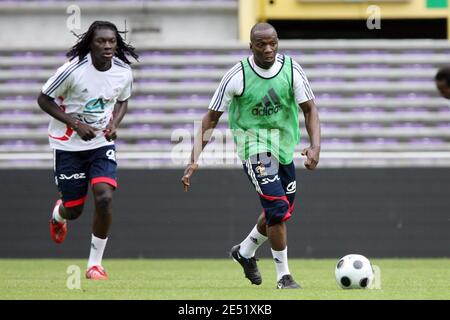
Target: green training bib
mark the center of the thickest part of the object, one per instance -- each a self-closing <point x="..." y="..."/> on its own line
<point x="264" y="118"/>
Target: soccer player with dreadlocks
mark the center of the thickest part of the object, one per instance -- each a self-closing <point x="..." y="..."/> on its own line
<point x="87" y="99"/>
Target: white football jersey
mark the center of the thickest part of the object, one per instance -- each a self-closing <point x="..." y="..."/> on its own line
<point x="88" y="95"/>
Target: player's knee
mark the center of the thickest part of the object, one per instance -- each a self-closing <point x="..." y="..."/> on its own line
<point x="277" y="212"/>
<point x="103" y="202"/>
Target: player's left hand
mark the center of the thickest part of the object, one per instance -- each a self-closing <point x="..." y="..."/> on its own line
<point x="110" y="132"/>
<point x="312" y="157"/>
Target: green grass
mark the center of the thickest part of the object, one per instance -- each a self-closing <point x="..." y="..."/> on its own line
<point x="218" y="279"/>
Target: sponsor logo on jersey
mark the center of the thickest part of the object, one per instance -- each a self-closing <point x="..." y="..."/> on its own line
<point x="269" y="105"/>
<point x="96" y="105"/>
<point x="93" y="120"/>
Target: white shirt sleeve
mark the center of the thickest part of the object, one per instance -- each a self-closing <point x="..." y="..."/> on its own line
<point x="232" y="84"/>
<point x="126" y="92"/>
<point x="60" y="82"/>
<point x="302" y="89"/>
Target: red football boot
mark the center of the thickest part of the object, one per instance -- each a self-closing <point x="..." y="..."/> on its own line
<point x="58" y="230"/>
<point x="96" y="273"/>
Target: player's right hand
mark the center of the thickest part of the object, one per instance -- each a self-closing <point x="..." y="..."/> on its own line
<point x="85" y="131"/>
<point x="187" y="175"/>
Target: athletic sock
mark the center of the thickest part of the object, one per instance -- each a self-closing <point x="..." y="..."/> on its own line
<point x="281" y="262"/>
<point x="96" y="254"/>
<point x="251" y="243"/>
<point x="56" y="214"/>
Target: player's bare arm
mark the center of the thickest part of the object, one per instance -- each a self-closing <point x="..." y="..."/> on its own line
<point x="209" y="122"/>
<point x="120" y="109"/>
<point x="48" y="104"/>
<point x="312" y="124"/>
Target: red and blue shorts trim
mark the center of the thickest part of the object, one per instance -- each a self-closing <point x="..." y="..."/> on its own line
<point x="275" y="184"/>
<point x="75" y="170"/>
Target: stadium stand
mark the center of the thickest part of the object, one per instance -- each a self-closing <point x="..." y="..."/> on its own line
<point x="377" y="102"/>
<point x="376" y="98"/>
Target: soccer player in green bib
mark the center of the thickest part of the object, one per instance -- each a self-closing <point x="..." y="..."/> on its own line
<point x="263" y="94"/>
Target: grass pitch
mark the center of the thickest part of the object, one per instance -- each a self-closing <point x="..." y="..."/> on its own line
<point x="216" y="279"/>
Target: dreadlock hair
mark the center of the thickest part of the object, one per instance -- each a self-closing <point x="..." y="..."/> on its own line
<point x="83" y="45"/>
<point x="443" y="74"/>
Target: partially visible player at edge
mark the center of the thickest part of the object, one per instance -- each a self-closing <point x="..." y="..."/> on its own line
<point x="442" y="81"/>
<point x="261" y="93"/>
<point x="88" y="98"/>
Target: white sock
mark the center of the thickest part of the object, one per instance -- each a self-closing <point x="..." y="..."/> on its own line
<point x="281" y="262"/>
<point x="251" y="243"/>
<point x="97" y="248"/>
<point x="56" y="215"/>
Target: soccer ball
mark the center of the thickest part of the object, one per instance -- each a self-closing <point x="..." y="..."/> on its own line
<point x="354" y="271"/>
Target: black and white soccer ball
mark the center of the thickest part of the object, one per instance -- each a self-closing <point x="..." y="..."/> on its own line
<point x="354" y="271"/>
